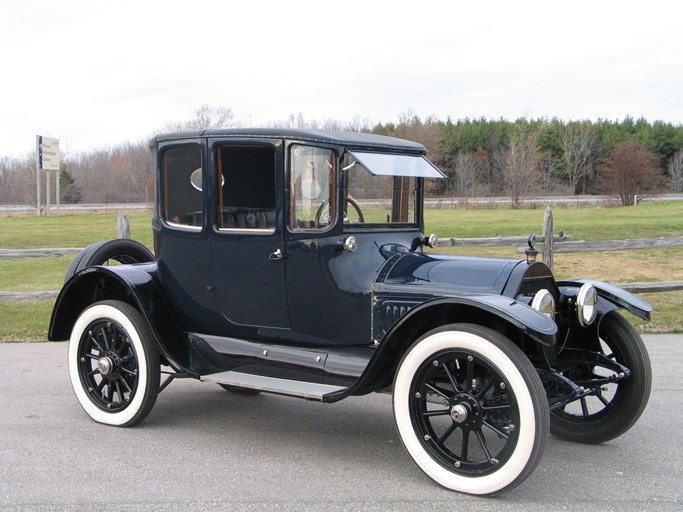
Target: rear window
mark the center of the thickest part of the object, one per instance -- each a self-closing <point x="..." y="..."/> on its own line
<point x="181" y="200"/>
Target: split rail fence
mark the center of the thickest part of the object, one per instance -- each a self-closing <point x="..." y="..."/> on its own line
<point x="550" y="243"/>
<point x="547" y="244"/>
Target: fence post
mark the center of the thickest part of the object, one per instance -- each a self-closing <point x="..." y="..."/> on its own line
<point x="548" y="235"/>
<point x="123" y="225"/>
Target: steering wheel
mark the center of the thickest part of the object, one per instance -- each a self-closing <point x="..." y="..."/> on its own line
<point x="324" y="212"/>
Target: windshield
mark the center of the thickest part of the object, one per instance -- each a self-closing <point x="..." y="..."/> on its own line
<point x="388" y="164"/>
<point x="382" y="188"/>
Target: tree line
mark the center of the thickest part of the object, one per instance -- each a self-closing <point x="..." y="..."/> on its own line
<point x="481" y="157"/>
<point x="484" y="157"/>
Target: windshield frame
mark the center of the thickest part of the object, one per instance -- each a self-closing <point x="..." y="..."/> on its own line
<point x="396" y="164"/>
<point x="350" y="163"/>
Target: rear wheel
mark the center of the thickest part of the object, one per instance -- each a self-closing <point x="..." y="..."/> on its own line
<point x="470" y="409"/>
<point x="615" y="406"/>
<point x="114" y="364"/>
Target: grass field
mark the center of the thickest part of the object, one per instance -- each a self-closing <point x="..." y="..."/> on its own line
<point x="27" y="320"/>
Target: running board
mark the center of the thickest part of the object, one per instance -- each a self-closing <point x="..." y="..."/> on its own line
<point x="309" y="390"/>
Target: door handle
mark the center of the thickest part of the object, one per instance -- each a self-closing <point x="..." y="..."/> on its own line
<point x="276" y="256"/>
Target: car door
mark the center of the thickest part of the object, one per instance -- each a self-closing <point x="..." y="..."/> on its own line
<point x="328" y="288"/>
<point x="181" y="233"/>
<point x="247" y="253"/>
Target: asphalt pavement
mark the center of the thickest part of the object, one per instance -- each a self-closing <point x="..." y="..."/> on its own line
<point x="203" y="448"/>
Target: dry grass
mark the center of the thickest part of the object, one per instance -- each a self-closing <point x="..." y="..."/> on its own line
<point x="618" y="267"/>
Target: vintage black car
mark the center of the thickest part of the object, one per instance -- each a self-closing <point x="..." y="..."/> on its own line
<point x="295" y="262"/>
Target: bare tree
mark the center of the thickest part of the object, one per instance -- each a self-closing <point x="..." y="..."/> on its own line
<point x="332" y="124"/>
<point x="427" y="133"/>
<point x="496" y="162"/>
<point x="430" y="135"/>
<point x="204" y="118"/>
<point x="133" y="169"/>
<point x="25" y="182"/>
<point x="360" y="124"/>
<point x="675" y="168"/>
<point x="580" y="147"/>
<point x="466" y="171"/>
<point x="522" y="167"/>
<point x="631" y="170"/>
<point x="548" y="167"/>
<point x="18" y="180"/>
<point x="300" y="121"/>
<point x="5" y="175"/>
<point x="357" y="124"/>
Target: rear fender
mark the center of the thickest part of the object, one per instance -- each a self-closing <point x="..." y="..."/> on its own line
<point x="131" y="284"/>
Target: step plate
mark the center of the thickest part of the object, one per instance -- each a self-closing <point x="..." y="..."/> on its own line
<point x="310" y="390"/>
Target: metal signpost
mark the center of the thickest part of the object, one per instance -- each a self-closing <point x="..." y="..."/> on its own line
<point x="47" y="159"/>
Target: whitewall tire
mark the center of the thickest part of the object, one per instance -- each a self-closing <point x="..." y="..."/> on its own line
<point x="470" y="409"/>
<point x="114" y="364"/>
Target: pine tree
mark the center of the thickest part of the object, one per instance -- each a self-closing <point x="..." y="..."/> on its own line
<point x="69" y="191"/>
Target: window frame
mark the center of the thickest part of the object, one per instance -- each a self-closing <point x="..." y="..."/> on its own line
<point x="334" y="189"/>
<point x="217" y="174"/>
<point x="418" y="189"/>
<point x="163" y="185"/>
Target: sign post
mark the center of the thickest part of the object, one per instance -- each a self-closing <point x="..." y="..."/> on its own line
<point x="47" y="150"/>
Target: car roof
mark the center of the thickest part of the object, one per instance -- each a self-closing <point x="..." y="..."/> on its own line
<point x="357" y="140"/>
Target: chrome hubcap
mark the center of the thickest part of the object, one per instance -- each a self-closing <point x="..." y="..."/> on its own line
<point x="105" y="365"/>
<point x="459" y="413"/>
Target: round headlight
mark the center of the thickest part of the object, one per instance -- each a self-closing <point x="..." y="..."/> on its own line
<point x="544" y="302"/>
<point x="585" y="304"/>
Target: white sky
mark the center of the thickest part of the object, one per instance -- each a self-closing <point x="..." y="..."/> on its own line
<point x="96" y="73"/>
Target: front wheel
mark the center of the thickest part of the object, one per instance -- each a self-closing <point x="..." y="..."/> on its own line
<point x="614" y="407"/>
<point x="470" y="409"/>
<point x="114" y="364"/>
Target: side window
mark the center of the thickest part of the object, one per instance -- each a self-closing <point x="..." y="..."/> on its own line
<point x="181" y="199"/>
<point x="312" y="186"/>
<point x="246" y="183"/>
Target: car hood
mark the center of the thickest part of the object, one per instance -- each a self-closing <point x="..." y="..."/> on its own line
<point x="444" y="275"/>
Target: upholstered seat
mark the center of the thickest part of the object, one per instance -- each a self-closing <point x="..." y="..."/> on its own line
<point x="244" y="218"/>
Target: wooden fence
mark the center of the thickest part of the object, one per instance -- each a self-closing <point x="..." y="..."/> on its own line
<point x="550" y="243"/>
<point x="547" y="244"/>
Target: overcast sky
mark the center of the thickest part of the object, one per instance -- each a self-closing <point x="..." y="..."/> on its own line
<point x="97" y="73"/>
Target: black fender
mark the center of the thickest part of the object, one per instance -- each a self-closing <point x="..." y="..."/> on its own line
<point x="612" y="297"/>
<point x="133" y="284"/>
<point x="487" y="309"/>
<point x="533" y="324"/>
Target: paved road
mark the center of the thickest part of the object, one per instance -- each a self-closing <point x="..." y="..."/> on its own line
<point x="203" y="448"/>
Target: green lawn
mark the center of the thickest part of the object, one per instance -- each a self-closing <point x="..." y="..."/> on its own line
<point x="596" y="223"/>
<point x="24" y="320"/>
<point x="27" y="320"/>
<point x="27" y="232"/>
<point x="33" y="274"/>
<point x="643" y="221"/>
